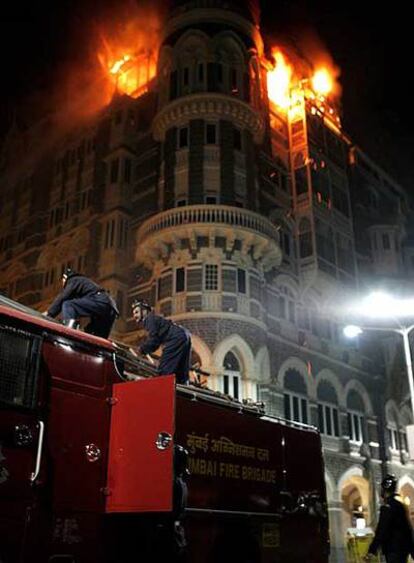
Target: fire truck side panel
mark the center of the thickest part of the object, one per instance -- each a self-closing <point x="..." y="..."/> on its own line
<point x="141" y="448"/>
<point x="245" y="486"/>
<point x="21" y="434"/>
<point x="78" y="426"/>
<point x="235" y="460"/>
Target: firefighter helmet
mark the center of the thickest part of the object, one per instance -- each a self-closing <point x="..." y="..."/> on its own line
<point x="389" y="484"/>
<point x="141" y="304"/>
<point x="68" y="273"/>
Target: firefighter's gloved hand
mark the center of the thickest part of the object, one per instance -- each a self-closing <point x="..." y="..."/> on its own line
<point x="134" y="352"/>
<point x="45" y="313"/>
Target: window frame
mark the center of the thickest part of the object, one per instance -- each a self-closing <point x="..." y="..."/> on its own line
<point x="333" y="418"/>
<point x="207" y="277"/>
<point x="303" y="406"/>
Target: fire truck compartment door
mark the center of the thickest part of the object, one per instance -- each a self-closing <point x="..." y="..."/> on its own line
<point x="140" y="463"/>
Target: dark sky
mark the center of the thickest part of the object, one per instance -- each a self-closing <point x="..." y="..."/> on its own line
<point x="370" y="45"/>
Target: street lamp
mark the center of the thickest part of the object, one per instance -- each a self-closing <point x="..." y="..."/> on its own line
<point x="382" y="306"/>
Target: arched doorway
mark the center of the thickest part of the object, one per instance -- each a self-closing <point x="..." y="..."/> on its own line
<point x="406" y="492"/>
<point x="355" y="502"/>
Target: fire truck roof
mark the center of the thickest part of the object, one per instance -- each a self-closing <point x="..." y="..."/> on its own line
<point x="16" y="310"/>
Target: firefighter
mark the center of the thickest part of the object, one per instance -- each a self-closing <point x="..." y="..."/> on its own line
<point x="174" y="339"/>
<point x="82" y="297"/>
<point x="394" y="534"/>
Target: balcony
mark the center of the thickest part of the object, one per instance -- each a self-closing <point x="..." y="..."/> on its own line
<point x="209" y="105"/>
<point x="241" y="230"/>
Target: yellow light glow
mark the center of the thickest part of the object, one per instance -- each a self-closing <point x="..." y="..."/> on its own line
<point x="278" y="81"/>
<point x="322" y="82"/>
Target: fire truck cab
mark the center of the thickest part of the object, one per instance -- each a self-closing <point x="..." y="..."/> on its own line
<point x="91" y="468"/>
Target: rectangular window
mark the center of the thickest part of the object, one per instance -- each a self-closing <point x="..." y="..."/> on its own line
<point x="211" y="277"/>
<point x="328" y="418"/>
<point x="219" y="73"/>
<point x="296" y="408"/>
<point x="386" y="242"/>
<point x="179" y="280"/>
<point x="186" y="76"/>
<point x="183" y="137"/>
<point x="226" y="384"/>
<point x="211" y="134"/>
<point x="233" y="81"/>
<point x="211" y="199"/>
<point x="127" y="170"/>
<point x="235" y="387"/>
<point x="241" y="280"/>
<point x="356" y="427"/>
<point x="200" y="72"/>
<point x="321" y="419"/>
<point x="109" y="234"/>
<point x="114" y="170"/>
<point x="237" y="139"/>
<point x="292" y="311"/>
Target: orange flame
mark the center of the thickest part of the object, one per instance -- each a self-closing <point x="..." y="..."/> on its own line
<point x="128" y="56"/>
<point x="322" y="81"/>
<point x="279" y="80"/>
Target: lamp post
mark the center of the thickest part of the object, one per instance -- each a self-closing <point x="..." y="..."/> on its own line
<point x="382" y="306"/>
<point x="351" y="331"/>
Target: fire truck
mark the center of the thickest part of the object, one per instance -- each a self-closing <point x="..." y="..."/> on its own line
<point x="101" y="462"/>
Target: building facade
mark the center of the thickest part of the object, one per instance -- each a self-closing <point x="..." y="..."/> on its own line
<point x="246" y="223"/>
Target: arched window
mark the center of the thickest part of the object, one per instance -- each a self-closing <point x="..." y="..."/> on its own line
<point x="328" y="409"/>
<point x="296" y="403"/>
<point x="231" y="375"/>
<point x="356" y="419"/>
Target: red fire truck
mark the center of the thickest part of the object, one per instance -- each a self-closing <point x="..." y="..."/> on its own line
<point x="100" y="462"/>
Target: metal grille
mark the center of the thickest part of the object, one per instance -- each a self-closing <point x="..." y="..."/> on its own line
<point x="17" y="367"/>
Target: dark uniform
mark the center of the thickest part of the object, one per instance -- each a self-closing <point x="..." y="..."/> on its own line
<point x="176" y="342"/>
<point x="394" y="534"/>
<point x="81" y="297"/>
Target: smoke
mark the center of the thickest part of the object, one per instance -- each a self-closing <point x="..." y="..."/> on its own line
<point x="85" y="86"/>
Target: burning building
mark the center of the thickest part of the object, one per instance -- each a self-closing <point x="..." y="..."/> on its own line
<point x="218" y="184"/>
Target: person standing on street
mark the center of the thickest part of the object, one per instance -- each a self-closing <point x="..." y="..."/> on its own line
<point x="394" y="534"/>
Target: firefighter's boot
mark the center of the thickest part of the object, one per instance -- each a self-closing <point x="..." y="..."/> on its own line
<point x="71" y="323"/>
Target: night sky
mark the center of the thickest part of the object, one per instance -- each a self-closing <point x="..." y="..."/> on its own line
<point x="371" y="46"/>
